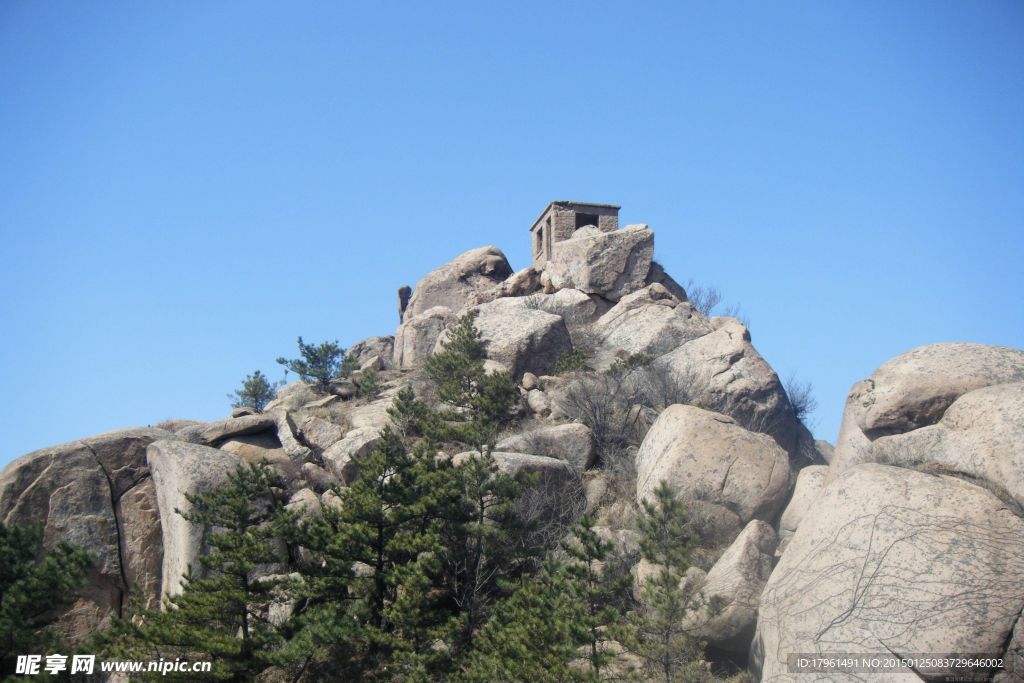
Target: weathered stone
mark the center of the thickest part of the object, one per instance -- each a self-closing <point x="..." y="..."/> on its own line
<point x="287" y="437"/>
<point x="242" y="411"/>
<point x="416" y="338"/>
<point x="317" y="477"/>
<point x="611" y="264"/>
<point x="538" y="402"/>
<point x="238" y="426"/>
<point x="293" y="396"/>
<point x="650" y="321"/>
<point x="658" y="275"/>
<point x="914" y="389"/>
<point x="981" y="436"/>
<point x="706" y="456"/>
<point x="723" y="371"/>
<point x="92" y="493"/>
<point x="254" y="448"/>
<point x="529" y="381"/>
<point x="809" y="483"/>
<point x="523" y="339"/>
<point x="179" y="470"/>
<point x="825" y="450"/>
<point x="375" y="352"/>
<point x="456" y="284"/>
<point x="573" y="443"/>
<point x="318" y="433"/>
<point x="356" y="443"/>
<point x="304" y="502"/>
<point x="892" y="560"/>
<point x="572" y="305"/>
<point x="732" y="589"/>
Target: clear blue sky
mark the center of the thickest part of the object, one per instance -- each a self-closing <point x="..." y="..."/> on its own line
<point x="185" y="187"/>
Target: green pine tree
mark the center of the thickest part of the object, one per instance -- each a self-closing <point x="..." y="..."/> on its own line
<point x="655" y="631"/>
<point x="480" y="404"/>
<point x="223" y="616"/>
<point x="381" y="619"/>
<point x="318" y="365"/>
<point x="33" y="584"/>
<point x="256" y="392"/>
<point x="534" y="634"/>
<point x="601" y="588"/>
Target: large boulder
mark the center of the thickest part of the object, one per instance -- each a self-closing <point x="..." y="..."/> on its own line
<point x="375" y="352"/>
<point x="650" y="321"/>
<point x="217" y="432"/>
<point x="980" y="436"/>
<point x="572" y="442"/>
<point x="572" y="305"/>
<point x="521" y="338"/>
<point x="889" y="560"/>
<point x="318" y="433"/>
<point x="415" y="338"/>
<point x="456" y="284"/>
<point x="95" y="493"/>
<point x="724" y="372"/>
<point x="731" y="590"/>
<point x="357" y="443"/>
<point x="722" y="470"/>
<point x="611" y="264"/>
<point x="179" y="470"/>
<point x="809" y="483"/>
<point x="914" y="389"/>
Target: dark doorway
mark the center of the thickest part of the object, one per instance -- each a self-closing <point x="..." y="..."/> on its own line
<point x="585" y="219"/>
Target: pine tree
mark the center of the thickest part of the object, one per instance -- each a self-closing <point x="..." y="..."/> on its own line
<point x="319" y="364"/>
<point x="223" y="617"/>
<point x="256" y="392"/>
<point x="480" y="403"/>
<point x="381" y="620"/>
<point x="32" y="585"/>
<point x="533" y="635"/>
<point x="599" y="587"/>
<point x="655" y="631"/>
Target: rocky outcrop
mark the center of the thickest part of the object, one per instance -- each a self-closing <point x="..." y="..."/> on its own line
<point x="725" y="472"/>
<point x="95" y="493"/>
<point x="456" y="284"/>
<point x="723" y="371"/>
<point x="892" y="560"/>
<point x="650" y="321"/>
<point x="610" y="264"/>
<point x="357" y="443"/>
<point x="573" y="443"/>
<point x="731" y="591"/>
<point x="416" y="338"/>
<point x="980" y="436"/>
<point x="237" y="426"/>
<point x="182" y="469"/>
<point x="914" y="389"/>
<point x="521" y="338"/>
<point x="373" y="352"/>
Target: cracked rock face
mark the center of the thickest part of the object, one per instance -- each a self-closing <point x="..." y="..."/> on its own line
<point x="612" y="264"/>
<point x="720" y="469"/>
<point x="95" y="493"/>
<point x="889" y="559"/>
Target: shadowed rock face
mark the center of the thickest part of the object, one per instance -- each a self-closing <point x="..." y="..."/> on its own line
<point x="95" y="493"/>
<point x="888" y="559"/>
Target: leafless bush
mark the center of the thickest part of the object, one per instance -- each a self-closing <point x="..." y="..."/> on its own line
<point x="550" y="509"/>
<point x="801" y="397"/>
<point x="704" y="299"/>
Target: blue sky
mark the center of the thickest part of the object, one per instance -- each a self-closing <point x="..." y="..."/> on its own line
<point x="186" y="187"/>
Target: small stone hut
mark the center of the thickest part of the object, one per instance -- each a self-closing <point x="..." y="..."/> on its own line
<point x="562" y="218"/>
